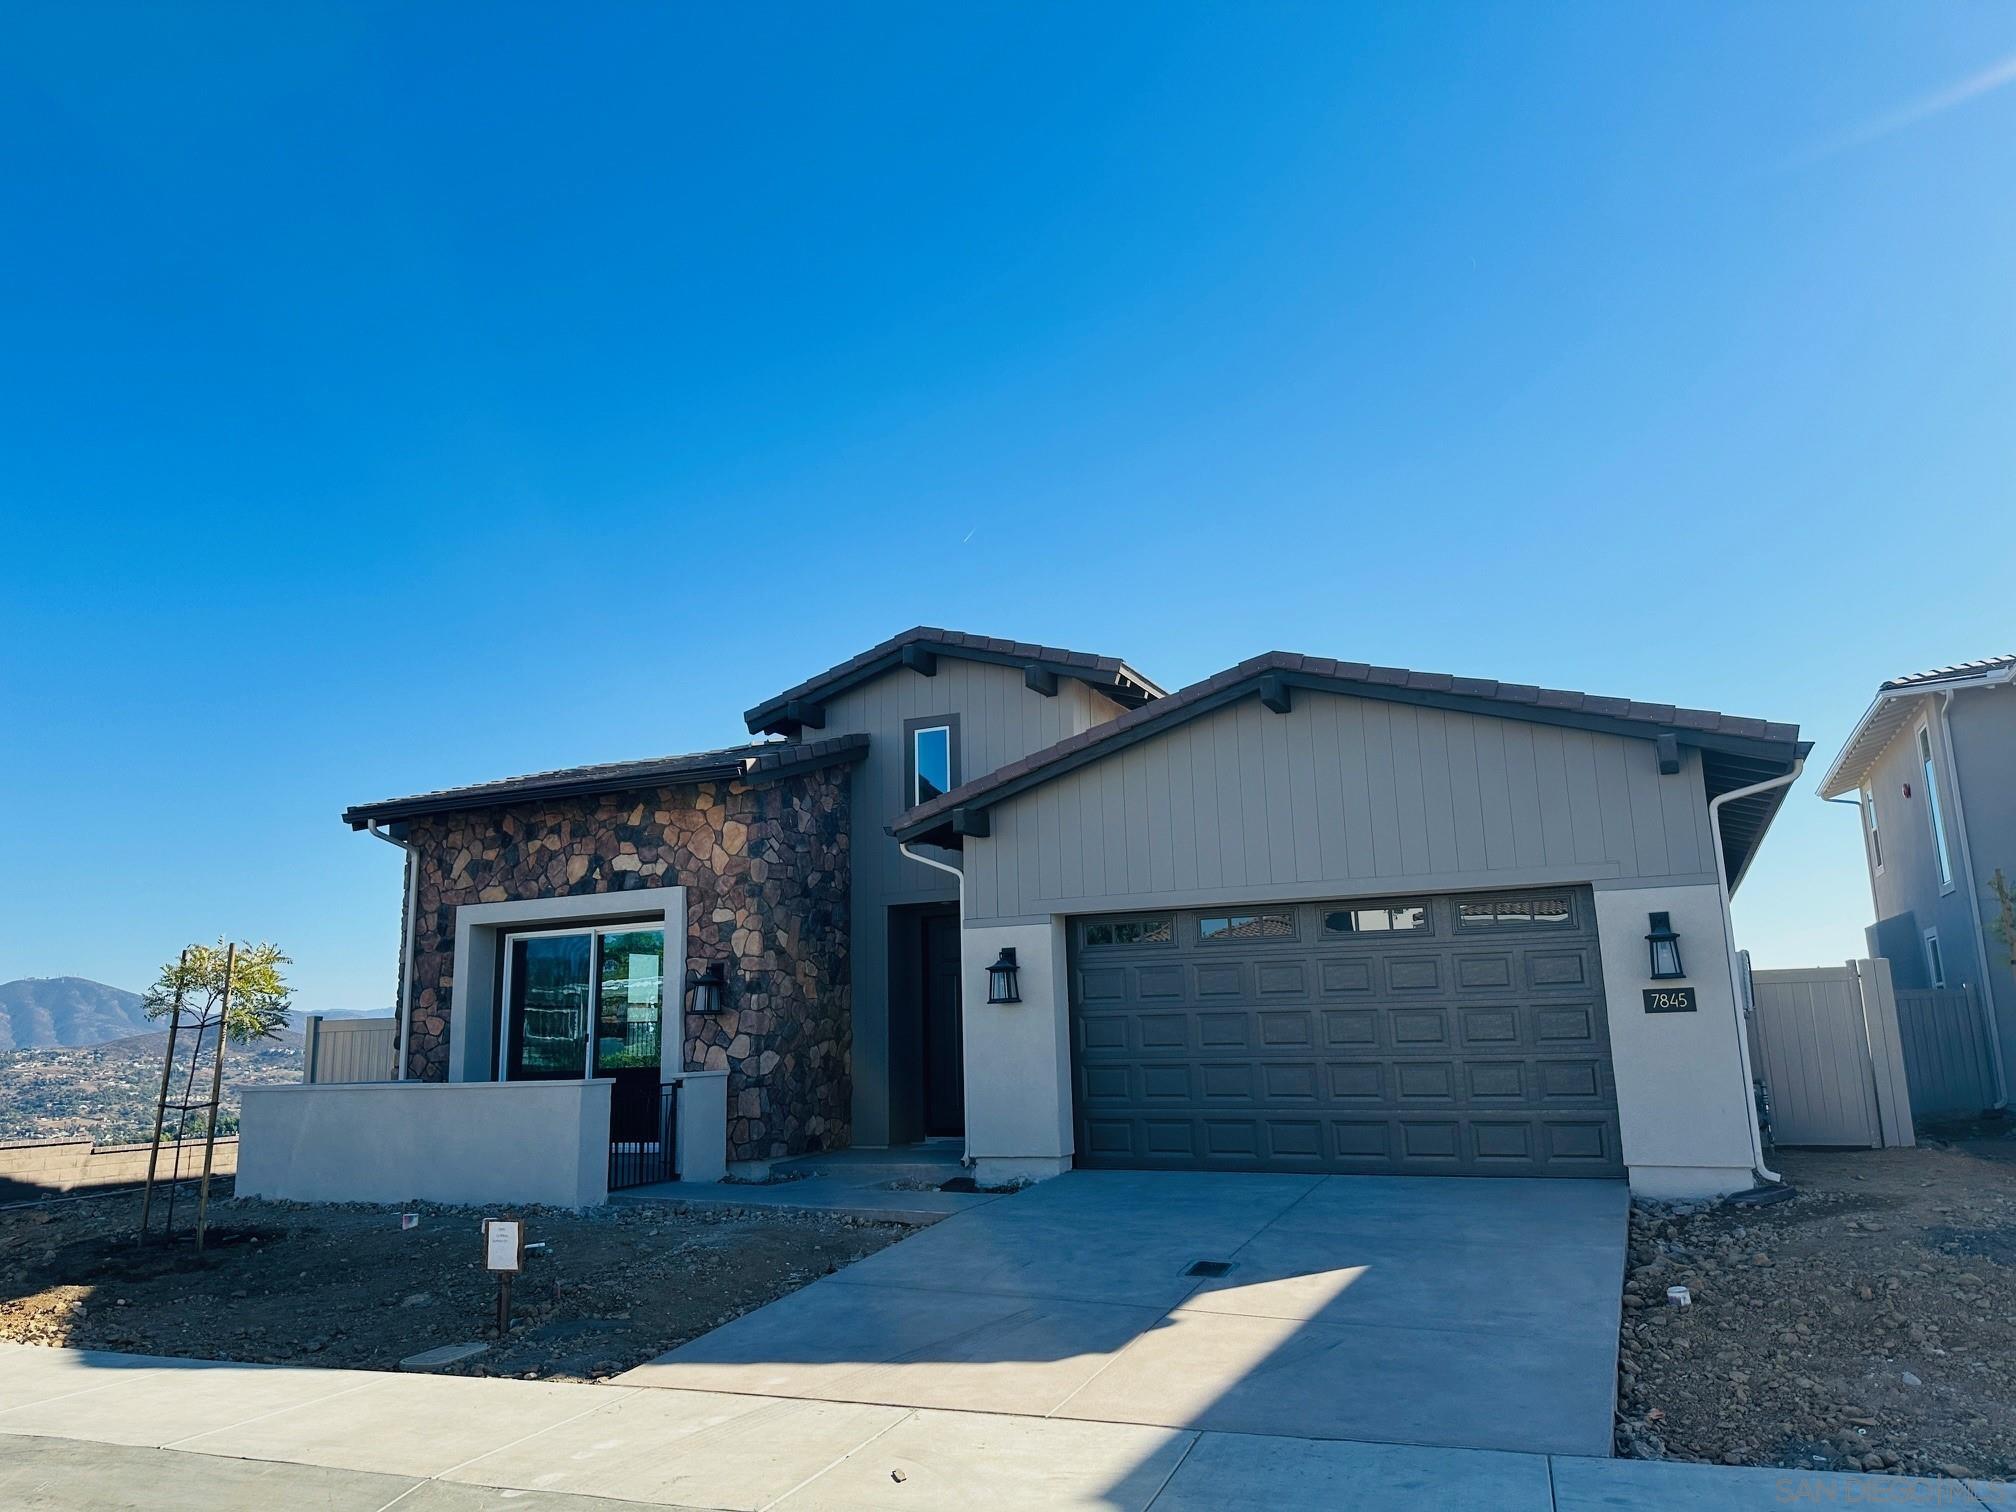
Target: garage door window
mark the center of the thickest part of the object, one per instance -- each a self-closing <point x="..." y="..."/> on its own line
<point x="1490" y="913"/>
<point x="1382" y="920"/>
<point x="1227" y="928"/>
<point x="1158" y="930"/>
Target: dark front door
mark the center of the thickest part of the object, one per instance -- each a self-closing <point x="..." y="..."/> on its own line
<point x="944" y="1060"/>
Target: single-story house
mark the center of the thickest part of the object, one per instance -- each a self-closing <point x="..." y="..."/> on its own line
<point x="1305" y="915"/>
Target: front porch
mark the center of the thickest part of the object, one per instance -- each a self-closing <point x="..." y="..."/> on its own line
<point x="549" y="1143"/>
<point x="900" y="1185"/>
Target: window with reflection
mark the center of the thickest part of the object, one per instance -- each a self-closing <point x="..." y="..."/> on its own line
<point x="1485" y="912"/>
<point x="1154" y="930"/>
<point x="1246" y="926"/>
<point x="1377" y="920"/>
<point x="583" y="1002"/>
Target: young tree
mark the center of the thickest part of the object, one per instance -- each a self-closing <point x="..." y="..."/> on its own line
<point x="2005" y="914"/>
<point x="259" y="994"/>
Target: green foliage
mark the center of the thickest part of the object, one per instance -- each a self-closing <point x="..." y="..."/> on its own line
<point x="2005" y="915"/>
<point x="259" y="994"/>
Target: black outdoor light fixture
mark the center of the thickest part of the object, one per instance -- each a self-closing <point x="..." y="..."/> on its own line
<point x="1004" y="978"/>
<point x="706" y="985"/>
<point x="1665" y="945"/>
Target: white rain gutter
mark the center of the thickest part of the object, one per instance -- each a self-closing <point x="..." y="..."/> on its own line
<point x="966" y="1138"/>
<point x="1723" y="884"/>
<point x="401" y="1008"/>
<point x="1980" y="932"/>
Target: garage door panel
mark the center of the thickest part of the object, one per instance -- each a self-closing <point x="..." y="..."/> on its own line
<point x="1470" y="1046"/>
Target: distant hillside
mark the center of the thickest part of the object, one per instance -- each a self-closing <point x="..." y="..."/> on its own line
<point x="45" y="1011"/>
<point x="107" y="1091"/>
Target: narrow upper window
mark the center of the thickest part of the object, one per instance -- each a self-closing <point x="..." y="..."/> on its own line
<point x="1875" y="834"/>
<point x="930" y="762"/>
<point x="1935" y="958"/>
<point x="1938" y="819"/>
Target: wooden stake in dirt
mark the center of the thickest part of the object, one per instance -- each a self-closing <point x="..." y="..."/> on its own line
<point x="216" y="1094"/>
<point x="161" y="1102"/>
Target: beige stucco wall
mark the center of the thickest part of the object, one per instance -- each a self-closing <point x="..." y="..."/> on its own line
<point x="1684" y="1100"/>
<point x="1018" y="1056"/>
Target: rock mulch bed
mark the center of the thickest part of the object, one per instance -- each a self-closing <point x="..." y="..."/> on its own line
<point x="343" y="1285"/>
<point x="1867" y="1324"/>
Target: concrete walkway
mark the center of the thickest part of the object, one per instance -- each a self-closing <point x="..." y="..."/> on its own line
<point x="1401" y="1310"/>
<point x="890" y="1186"/>
<point x="84" y="1430"/>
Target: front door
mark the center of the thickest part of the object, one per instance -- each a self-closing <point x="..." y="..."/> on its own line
<point x="944" y="1048"/>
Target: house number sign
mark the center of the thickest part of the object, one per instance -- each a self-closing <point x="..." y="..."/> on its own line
<point x="1669" y="1000"/>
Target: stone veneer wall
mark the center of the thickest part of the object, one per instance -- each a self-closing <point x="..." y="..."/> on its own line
<point x="766" y="873"/>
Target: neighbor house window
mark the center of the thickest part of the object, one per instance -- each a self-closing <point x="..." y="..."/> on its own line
<point x="1875" y="834"/>
<point x="1935" y="959"/>
<point x="1375" y="920"/>
<point x="580" y="1003"/>
<point x="1249" y="926"/>
<point x="930" y="762"/>
<point x="1932" y="806"/>
<point x="1148" y="931"/>
<point x="1484" y="912"/>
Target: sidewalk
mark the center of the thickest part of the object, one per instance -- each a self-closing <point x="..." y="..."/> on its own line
<point x="89" y="1430"/>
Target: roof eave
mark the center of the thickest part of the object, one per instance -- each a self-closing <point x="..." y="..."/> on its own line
<point x="1758" y="748"/>
<point x="1117" y="681"/>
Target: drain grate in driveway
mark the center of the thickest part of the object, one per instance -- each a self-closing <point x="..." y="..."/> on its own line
<point x="1209" y="1268"/>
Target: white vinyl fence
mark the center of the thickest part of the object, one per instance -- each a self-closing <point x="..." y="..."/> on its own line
<point x="1827" y="1043"/>
<point x="347" y="1049"/>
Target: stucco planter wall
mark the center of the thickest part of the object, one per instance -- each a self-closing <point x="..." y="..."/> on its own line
<point x="765" y="868"/>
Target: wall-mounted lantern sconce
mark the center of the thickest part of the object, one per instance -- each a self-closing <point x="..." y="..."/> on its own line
<point x="1004" y="978"/>
<point x="706" y="986"/>
<point x="1665" y="946"/>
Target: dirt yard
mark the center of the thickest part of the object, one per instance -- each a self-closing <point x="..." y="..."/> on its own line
<point x="1867" y="1324"/>
<point x="344" y="1286"/>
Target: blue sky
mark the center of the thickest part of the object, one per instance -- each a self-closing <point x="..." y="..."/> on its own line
<point x="399" y="396"/>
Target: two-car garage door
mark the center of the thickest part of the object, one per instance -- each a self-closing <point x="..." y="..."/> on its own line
<point x="1462" y="1035"/>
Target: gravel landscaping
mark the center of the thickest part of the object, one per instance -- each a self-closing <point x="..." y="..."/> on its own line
<point x="1867" y="1324"/>
<point x="343" y="1285"/>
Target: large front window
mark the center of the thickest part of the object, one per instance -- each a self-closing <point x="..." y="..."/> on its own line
<point x="581" y="1003"/>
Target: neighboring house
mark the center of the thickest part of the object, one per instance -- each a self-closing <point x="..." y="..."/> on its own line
<point x="1932" y="765"/>
<point x="1304" y="915"/>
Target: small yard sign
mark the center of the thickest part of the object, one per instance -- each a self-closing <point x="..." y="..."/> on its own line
<point x="1669" y="1000"/>
<point x="504" y="1244"/>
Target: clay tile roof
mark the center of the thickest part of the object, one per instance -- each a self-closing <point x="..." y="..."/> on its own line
<point x="756" y="762"/>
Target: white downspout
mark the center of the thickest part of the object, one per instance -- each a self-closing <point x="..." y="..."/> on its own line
<point x="966" y="1139"/>
<point x="1974" y="900"/>
<point x="1723" y="884"/>
<point x="401" y="1008"/>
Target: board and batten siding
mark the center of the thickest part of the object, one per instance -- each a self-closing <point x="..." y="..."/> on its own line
<point x="1340" y="796"/>
<point x="1000" y="720"/>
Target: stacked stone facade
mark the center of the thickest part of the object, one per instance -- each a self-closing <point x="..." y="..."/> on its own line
<point x="766" y="872"/>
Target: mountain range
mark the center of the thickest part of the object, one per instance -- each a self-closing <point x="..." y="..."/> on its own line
<point x="39" y="1011"/>
<point x="42" y="1012"/>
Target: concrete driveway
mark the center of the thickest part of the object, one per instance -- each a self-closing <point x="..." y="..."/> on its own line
<point x="1462" y="1313"/>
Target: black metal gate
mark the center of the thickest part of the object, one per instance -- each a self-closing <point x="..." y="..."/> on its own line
<point x="643" y="1133"/>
